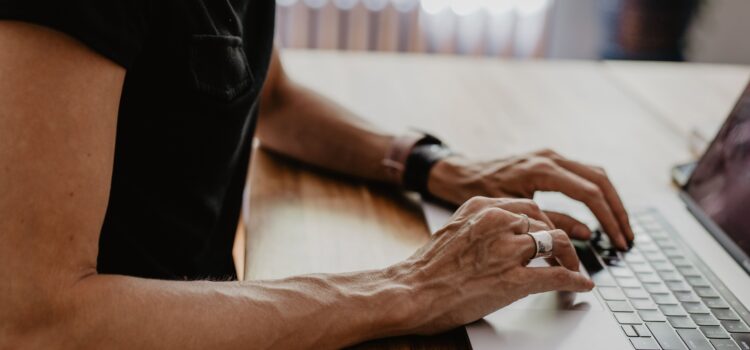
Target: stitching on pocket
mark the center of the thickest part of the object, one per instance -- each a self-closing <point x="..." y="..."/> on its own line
<point x="219" y="66"/>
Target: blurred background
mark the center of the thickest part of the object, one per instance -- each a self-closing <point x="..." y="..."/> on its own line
<point x="671" y="30"/>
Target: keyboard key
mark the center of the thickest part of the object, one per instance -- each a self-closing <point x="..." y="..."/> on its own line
<point x="694" y="339"/>
<point x="612" y="260"/>
<point x="714" y="332"/>
<point x="697" y="281"/>
<point x="689" y="271"/>
<point x="716" y="303"/>
<point x="644" y="344"/>
<point x="706" y="292"/>
<point x="641" y="330"/>
<point x="705" y="320"/>
<point x="655" y="256"/>
<point x="681" y="261"/>
<point x="652" y="316"/>
<point x="686" y="297"/>
<point x="672" y="252"/>
<point x="670" y="275"/>
<point x="665" y="335"/>
<point x="665" y="243"/>
<point x="648" y="247"/>
<point x="629" y="331"/>
<point x="603" y="278"/>
<point x="611" y="293"/>
<point x="724" y="344"/>
<point x="725" y="314"/>
<point x="672" y="310"/>
<point x="656" y="288"/>
<point x="634" y="257"/>
<point x="681" y="322"/>
<point x="619" y="306"/>
<point x="662" y="265"/>
<point x="662" y="299"/>
<point x="735" y="327"/>
<point x="643" y="304"/>
<point x="627" y="318"/>
<point x="619" y="271"/>
<point x="649" y="277"/>
<point x="742" y="339"/>
<point x="695" y="308"/>
<point x="628" y="282"/>
<point x="641" y="267"/>
<point x="636" y="293"/>
<point x="678" y="286"/>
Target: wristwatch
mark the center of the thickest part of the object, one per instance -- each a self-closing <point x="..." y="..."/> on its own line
<point x="411" y="158"/>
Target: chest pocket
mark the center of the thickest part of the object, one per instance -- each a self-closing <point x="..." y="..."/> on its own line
<point x="219" y="67"/>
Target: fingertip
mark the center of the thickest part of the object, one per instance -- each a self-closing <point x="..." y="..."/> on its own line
<point x="585" y="284"/>
<point x="622" y="245"/>
<point x="581" y="232"/>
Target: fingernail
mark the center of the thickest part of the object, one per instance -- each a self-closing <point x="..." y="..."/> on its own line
<point x="631" y="243"/>
<point x="623" y="244"/>
<point x="581" y="231"/>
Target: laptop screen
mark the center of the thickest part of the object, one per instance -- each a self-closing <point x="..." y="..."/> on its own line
<point x="720" y="184"/>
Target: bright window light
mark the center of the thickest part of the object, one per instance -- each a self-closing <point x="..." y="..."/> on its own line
<point x="433" y="7"/>
<point x="465" y="7"/>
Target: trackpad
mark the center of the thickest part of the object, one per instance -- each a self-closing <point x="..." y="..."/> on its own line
<point x="549" y="321"/>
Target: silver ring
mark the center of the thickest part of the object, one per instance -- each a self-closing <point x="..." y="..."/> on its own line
<point x="543" y="243"/>
<point x="528" y="223"/>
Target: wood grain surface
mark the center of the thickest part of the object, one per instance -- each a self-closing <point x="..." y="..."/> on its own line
<point x="631" y="118"/>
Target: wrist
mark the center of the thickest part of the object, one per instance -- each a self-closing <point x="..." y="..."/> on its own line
<point x="449" y="178"/>
<point x="399" y="305"/>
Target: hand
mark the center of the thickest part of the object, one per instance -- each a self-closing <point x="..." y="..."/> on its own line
<point x="457" y="179"/>
<point x="477" y="263"/>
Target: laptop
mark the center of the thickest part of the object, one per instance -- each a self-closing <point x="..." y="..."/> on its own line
<point x="684" y="285"/>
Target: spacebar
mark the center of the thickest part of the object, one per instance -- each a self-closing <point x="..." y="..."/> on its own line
<point x="665" y="336"/>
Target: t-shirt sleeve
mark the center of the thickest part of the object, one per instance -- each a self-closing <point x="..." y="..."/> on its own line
<point x="115" y="29"/>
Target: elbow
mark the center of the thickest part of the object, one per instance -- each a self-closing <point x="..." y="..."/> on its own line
<point x="35" y="321"/>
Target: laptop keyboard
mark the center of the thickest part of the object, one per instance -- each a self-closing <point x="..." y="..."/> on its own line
<point x="662" y="295"/>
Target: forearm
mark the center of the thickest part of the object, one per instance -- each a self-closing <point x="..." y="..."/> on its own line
<point x="316" y="311"/>
<point x="303" y="125"/>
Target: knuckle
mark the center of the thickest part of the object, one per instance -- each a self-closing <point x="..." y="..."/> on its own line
<point x="592" y="192"/>
<point x="544" y="152"/>
<point x="528" y="202"/>
<point x="548" y="153"/>
<point x="475" y="203"/>
<point x="560" y="236"/>
<point x="599" y="171"/>
<point x="542" y="165"/>
<point x="492" y="214"/>
<point x="477" y="200"/>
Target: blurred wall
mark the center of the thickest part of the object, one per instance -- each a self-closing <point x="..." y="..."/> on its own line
<point x="718" y="36"/>
<point x="721" y="34"/>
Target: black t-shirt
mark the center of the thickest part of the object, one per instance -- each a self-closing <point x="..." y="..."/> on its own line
<point x="195" y="69"/>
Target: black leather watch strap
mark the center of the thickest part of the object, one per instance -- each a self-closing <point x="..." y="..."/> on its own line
<point x="420" y="162"/>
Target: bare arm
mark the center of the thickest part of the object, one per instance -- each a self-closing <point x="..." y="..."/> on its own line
<point x="58" y="112"/>
<point x="301" y="124"/>
<point x="298" y="122"/>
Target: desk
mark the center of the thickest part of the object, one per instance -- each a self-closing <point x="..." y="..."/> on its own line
<point x="631" y="118"/>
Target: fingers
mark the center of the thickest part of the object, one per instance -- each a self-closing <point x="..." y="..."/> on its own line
<point x="538" y="219"/>
<point x="578" y="188"/>
<point x="573" y="227"/>
<point x="556" y="278"/>
<point x="599" y="177"/>
<point x="562" y="249"/>
<point x="528" y="207"/>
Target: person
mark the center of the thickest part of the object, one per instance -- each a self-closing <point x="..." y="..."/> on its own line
<point x="125" y="135"/>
